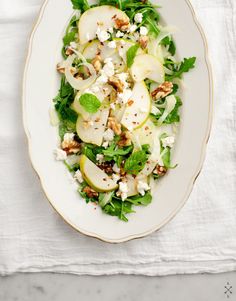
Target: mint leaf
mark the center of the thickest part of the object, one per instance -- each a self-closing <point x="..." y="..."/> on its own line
<point x="90" y="103"/>
<point x="185" y="66"/>
<point x="130" y="55"/>
<point x="135" y="163"/>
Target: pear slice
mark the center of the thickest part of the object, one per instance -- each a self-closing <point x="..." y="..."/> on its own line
<point x="91" y="130"/>
<point x="103" y="16"/>
<point x="138" y="107"/>
<point x="147" y="66"/>
<point x="96" y="177"/>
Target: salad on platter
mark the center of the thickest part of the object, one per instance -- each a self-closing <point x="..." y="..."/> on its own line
<point x="118" y="107"/>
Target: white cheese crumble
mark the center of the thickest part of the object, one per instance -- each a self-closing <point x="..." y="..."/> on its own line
<point x="102" y="35"/>
<point x="108" y="135"/>
<point x="132" y="28"/>
<point x="116" y="168"/>
<point x="60" y="154"/>
<point x="143" y="31"/>
<point x="124" y="96"/>
<point x="123" y="190"/>
<point x="100" y="158"/>
<point x="68" y="137"/>
<point x="108" y="68"/>
<point x="112" y="106"/>
<point x="112" y="44"/>
<point x="119" y="34"/>
<point x="138" y="18"/>
<point x="78" y="176"/>
<point x="115" y="177"/>
<point x="72" y="159"/>
<point x="111" y="29"/>
<point x="155" y="110"/>
<point x="168" y="141"/>
<point x="105" y="144"/>
<point x="142" y="187"/>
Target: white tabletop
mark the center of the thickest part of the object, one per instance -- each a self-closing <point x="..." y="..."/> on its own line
<point x="47" y="287"/>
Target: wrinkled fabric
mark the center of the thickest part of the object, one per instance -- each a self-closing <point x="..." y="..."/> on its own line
<point x="201" y="238"/>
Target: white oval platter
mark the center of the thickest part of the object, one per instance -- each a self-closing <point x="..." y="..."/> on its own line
<point x="40" y="85"/>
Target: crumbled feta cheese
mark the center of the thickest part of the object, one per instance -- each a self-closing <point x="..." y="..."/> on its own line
<point x="100" y="158"/>
<point x="112" y="106"/>
<point x="142" y="187"/>
<point x="143" y="31"/>
<point x="108" y="135"/>
<point x="123" y="189"/>
<point x="116" y="168"/>
<point x="119" y="34"/>
<point x="112" y="44"/>
<point x="78" y="176"/>
<point x="102" y="35"/>
<point x="133" y="28"/>
<point x="102" y="79"/>
<point x="73" y="45"/>
<point x="115" y="177"/>
<point x="124" y="96"/>
<point x="110" y="29"/>
<point x="68" y="137"/>
<point x="168" y="141"/>
<point x="108" y="68"/>
<point x="72" y="159"/>
<point x="60" y="154"/>
<point x="105" y="144"/>
<point x="155" y="110"/>
<point x="138" y="18"/>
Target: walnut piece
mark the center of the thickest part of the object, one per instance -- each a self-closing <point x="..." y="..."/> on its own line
<point x="90" y="192"/>
<point x="69" y="51"/>
<point x="143" y="41"/>
<point x="122" y="24"/>
<point x="71" y="147"/>
<point x="160" y="170"/>
<point x="114" y="125"/>
<point x="106" y="166"/>
<point x="162" y="91"/>
<point x="116" y="83"/>
<point x="125" y="139"/>
<point x="61" y="68"/>
<point x="97" y="63"/>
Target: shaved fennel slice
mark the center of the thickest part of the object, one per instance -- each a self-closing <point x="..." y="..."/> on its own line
<point x="79" y="84"/>
<point x="169" y="107"/>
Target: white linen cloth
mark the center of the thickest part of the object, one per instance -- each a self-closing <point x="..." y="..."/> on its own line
<point x="201" y="238"/>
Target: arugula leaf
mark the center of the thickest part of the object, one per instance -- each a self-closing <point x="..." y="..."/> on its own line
<point x="167" y="41"/>
<point x="140" y="200"/>
<point x="131" y="53"/>
<point x="63" y="101"/>
<point x="80" y="4"/>
<point x="90" y="102"/>
<point x="135" y="163"/>
<point x="185" y="66"/>
<point x="111" y="152"/>
<point x="118" y="208"/>
<point x="69" y="37"/>
<point x="91" y="151"/>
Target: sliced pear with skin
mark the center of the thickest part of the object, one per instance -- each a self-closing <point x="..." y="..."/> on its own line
<point x="138" y="107"/>
<point x="147" y="66"/>
<point x="91" y="130"/>
<point x="103" y="16"/>
<point x="95" y="177"/>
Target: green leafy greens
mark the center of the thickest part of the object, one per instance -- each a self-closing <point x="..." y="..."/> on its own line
<point x="135" y="163"/>
<point x="185" y="66"/>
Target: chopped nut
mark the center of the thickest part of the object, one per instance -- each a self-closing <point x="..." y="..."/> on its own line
<point x="60" y="68"/>
<point x="125" y="139"/>
<point x="143" y="41"/>
<point x="116" y="83"/>
<point x="69" y="51"/>
<point x="130" y="102"/>
<point x="114" y="125"/>
<point x="122" y="24"/>
<point x="97" y="63"/>
<point x="106" y="166"/>
<point x="160" y="170"/>
<point x="162" y="91"/>
<point x="90" y="192"/>
<point x="71" y="147"/>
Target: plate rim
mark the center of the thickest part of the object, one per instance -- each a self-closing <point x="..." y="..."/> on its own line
<point x="203" y="148"/>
